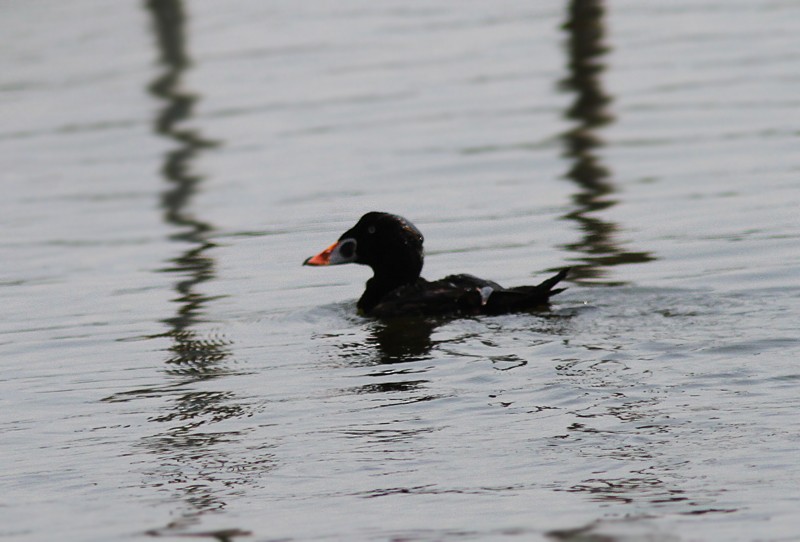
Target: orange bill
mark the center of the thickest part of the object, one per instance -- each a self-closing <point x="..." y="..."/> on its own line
<point x="323" y="258"/>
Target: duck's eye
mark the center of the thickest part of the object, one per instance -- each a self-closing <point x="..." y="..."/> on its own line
<point x="347" y="249"/>
<point x="371" y="229"/>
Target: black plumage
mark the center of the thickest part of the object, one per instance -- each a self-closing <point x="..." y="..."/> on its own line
<point x="392" y="247"/>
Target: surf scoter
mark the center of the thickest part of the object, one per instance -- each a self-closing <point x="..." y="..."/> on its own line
<point x="392" y="247"/>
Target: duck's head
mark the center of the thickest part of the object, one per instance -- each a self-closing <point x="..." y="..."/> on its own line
<point x="389" y="244"/>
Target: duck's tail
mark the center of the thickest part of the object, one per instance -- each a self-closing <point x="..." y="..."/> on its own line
<point x="523" y="298"/>
<point x="547" y="285"/>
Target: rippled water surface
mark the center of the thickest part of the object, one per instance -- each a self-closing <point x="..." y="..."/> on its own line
<point x="170" y="370"/>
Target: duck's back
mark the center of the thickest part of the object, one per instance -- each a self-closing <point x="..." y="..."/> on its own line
<point x="463" y="294"/>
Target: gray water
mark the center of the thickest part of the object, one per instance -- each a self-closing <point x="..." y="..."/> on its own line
<point x="170" y="370"/>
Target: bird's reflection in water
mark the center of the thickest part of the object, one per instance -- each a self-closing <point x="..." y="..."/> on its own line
<point x="401" y="340"/>
<point x="395" y="351"/>
<point x="387" y="350"/>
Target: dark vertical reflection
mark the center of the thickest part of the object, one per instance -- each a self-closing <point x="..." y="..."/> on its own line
<point x="194" y="463"/>
<point x="599" y="249"/>
<point x="589" y="112"/>
<point x="199" y="359"/>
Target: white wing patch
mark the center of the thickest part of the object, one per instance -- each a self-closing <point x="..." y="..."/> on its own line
<point x="485" y="292"/>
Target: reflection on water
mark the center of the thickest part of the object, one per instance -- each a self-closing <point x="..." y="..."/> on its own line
<point x="614" y="530"/>
<point x="589" y="111"/>
<point x="642" y="411"/>
<point x="394" y="350"/>
<point x="403" y="339"/>
<point x="191" y="462"/>
<point x="389" y="345"/>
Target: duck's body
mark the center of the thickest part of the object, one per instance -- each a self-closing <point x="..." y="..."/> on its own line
<point x="462" y="294"/>
<point x="392" y="247"/>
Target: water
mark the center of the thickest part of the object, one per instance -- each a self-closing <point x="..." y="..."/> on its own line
<point x="170" y="370"/>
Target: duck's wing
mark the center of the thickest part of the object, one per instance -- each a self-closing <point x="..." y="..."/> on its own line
<point x="464" y="294"/>
<point x="454" y="294"/>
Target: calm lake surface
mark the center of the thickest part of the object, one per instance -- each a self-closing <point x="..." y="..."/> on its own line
<point x="170" y="370"/>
